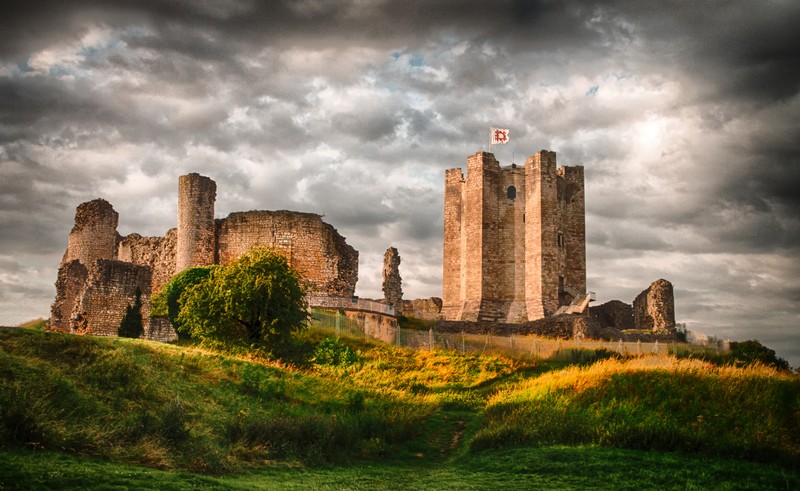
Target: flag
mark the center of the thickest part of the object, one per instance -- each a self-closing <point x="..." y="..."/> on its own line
<point x="499" y="135"/>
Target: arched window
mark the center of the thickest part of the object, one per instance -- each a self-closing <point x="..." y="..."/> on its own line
<point x="511" y="192"/>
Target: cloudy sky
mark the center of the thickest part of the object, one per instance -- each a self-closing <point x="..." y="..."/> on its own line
<point x="686" y="119"/>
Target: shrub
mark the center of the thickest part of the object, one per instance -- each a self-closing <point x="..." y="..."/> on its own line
<point x="167" y="301"/>
<point x="748" y="352"/>
<point x="332" y="351"/>
<point x="258" y="300"/>
<point x="131" y="325"/>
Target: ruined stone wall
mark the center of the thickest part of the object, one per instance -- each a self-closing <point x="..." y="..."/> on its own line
<point x="565" y="326"/>
<point x="93" y="288"/>
<point x="613" y="313"/>
<point x="654" y="308"/>
<point x="378" y="326"/>
<point x="311" y="246"/>
<point x="392" y="283"/>
<point x="109" y="289"/>
<point x="94" y="234"/>
<point x="195" y="241"/>
<point x="423" y="308"/>
<point x="70" y="284"/>
<point x="155" y="252"/>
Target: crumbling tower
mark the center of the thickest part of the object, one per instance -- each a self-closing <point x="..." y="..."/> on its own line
<point x="392" y="283"/>
<point x="94" y="235"/>
<point x="514" y="239"/>
<point x="196" y="229"/>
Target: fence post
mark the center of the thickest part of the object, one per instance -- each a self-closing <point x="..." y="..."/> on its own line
<point x="512" y="342"/>
<point x="462" y="342"/>
<point x="638" y="347"/>
<point x="655" y="348"/>
<point x="430" y="338"/>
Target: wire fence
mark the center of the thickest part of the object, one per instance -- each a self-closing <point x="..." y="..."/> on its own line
<point x="516" y="346"/>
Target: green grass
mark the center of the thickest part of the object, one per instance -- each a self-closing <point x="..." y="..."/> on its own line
<point x="653" y="403"/>
<point x="118" y="413"/>
<point x="556" y="467"/>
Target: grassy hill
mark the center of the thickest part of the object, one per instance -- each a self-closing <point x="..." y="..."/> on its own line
<point x="111" y="412"/>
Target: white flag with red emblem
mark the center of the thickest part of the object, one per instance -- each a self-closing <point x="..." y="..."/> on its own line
<point x="499" y="135"/>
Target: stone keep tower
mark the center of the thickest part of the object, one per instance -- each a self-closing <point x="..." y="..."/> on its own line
<point x="196" y="230"/>
<point x="514" y="239"/>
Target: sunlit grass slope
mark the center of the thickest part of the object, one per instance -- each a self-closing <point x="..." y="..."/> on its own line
<point x="174" y="407"/>
<point x="102" y="411"/>
<point x="652" y="403"/>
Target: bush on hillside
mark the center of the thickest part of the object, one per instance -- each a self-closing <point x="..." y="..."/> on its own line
<point x="332" y="351"/>
<point x="257" y="301"/>
<point x="748" y="352"/>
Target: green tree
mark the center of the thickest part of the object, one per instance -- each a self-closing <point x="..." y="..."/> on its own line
<point x="131" y="325"/>
<point x="167" y="301"/>
<point x="746" y="352"/>
<point x="257" y="300"/>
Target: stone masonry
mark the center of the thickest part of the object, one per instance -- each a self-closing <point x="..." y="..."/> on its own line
<point x="100" y="271"/>
<point x="196" y="197"/>
<point x="514" y="239"/>
<point x="328" y="264"/>
<point x="654" y="308"/>
<point x="392" y="283"/>
<point x="423" y="308"/>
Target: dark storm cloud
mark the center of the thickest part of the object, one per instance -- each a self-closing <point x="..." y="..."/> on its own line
<point x="685" y="117"/>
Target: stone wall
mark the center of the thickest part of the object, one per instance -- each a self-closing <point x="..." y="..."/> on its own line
<point x="514" y="239"/>
<point x="311" y="246"/>
<point x="155" y="252"/>
<point x="70" y="284"/>
<point x="613" y="314"/>
<point x="160" y="329"/>
<point x="654" y="308"/>
<point x="423" y="308"/>
<point x="378" y="326"/>
<point x="566" y="326"/>
<point x="109" y="289"/>
<point x="392" y="283"/>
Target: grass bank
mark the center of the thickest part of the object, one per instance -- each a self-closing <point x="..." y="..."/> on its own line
<point x="111" y="412"/>
<point x="650" y="403"/>
<point x="179" y="407"/>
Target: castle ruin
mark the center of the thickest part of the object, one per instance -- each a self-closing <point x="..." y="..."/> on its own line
<point x="101" y="270"/>
<point x="514" y="240"/>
